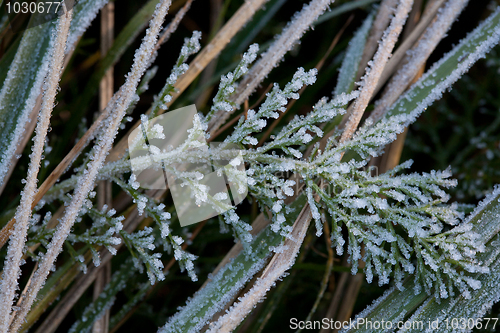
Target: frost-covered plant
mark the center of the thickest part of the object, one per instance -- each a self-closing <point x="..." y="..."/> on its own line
<point x="318" y="164"/>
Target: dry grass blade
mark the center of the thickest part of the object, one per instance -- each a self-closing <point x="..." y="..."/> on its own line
<point x="107" y="36"/>
<point x="427" y="43"/>
<point x="392" y="155"/>
<point x="57" y="315"/>
<point x="104" y="190"/>
<point x="102" y="278"/>
<point x="216" y="8"/>
<point x="379" y="25"/>
<point x="379" y="61"/>
<point x="429" y="14"/>
<point x="165" y="35"/>
<point x="350" y="296"/>
<point x="328" y="269"/>
<point x="337" y="297"/>
<point x="18" y="238"/>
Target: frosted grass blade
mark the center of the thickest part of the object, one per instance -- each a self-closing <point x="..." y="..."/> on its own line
<point x="353" y="54"/>
<point x="448" y="70"/>
<point x="96" y="309"/>
<point x="24" y="80"/>
<point x="21" y="88"/>
<point x="127" y="35"/>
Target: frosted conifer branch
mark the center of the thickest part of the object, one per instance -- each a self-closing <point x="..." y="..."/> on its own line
<point x="292" y="33"/>
<point x="276" y="101"/>
<point x="141" y="244"/>
<point x="368" y="207"/>
<point x="376" y="68"/>
<point x="86" y="182"/>
<point x="223" y="100"/>
<point x="190" y="46"/>
<point x="102" y="232"/>
<point x="11" y="269"/>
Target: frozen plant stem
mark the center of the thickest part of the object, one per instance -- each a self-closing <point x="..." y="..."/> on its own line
<point x="381" y="22"/>
<point x="101" y="149"/>
<point x="428" y="16"/>
<point x="11" y="269"/>
<point x="104" y="193"/>
<point x="172" y="26"/>
<point x="374" y="71"/>
<point x="418" y="56"/>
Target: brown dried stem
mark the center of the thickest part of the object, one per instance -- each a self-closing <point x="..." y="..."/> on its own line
<point x="418" y="56"/>
<point x="104" y="194"/>
<point x="379" y="61"/>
